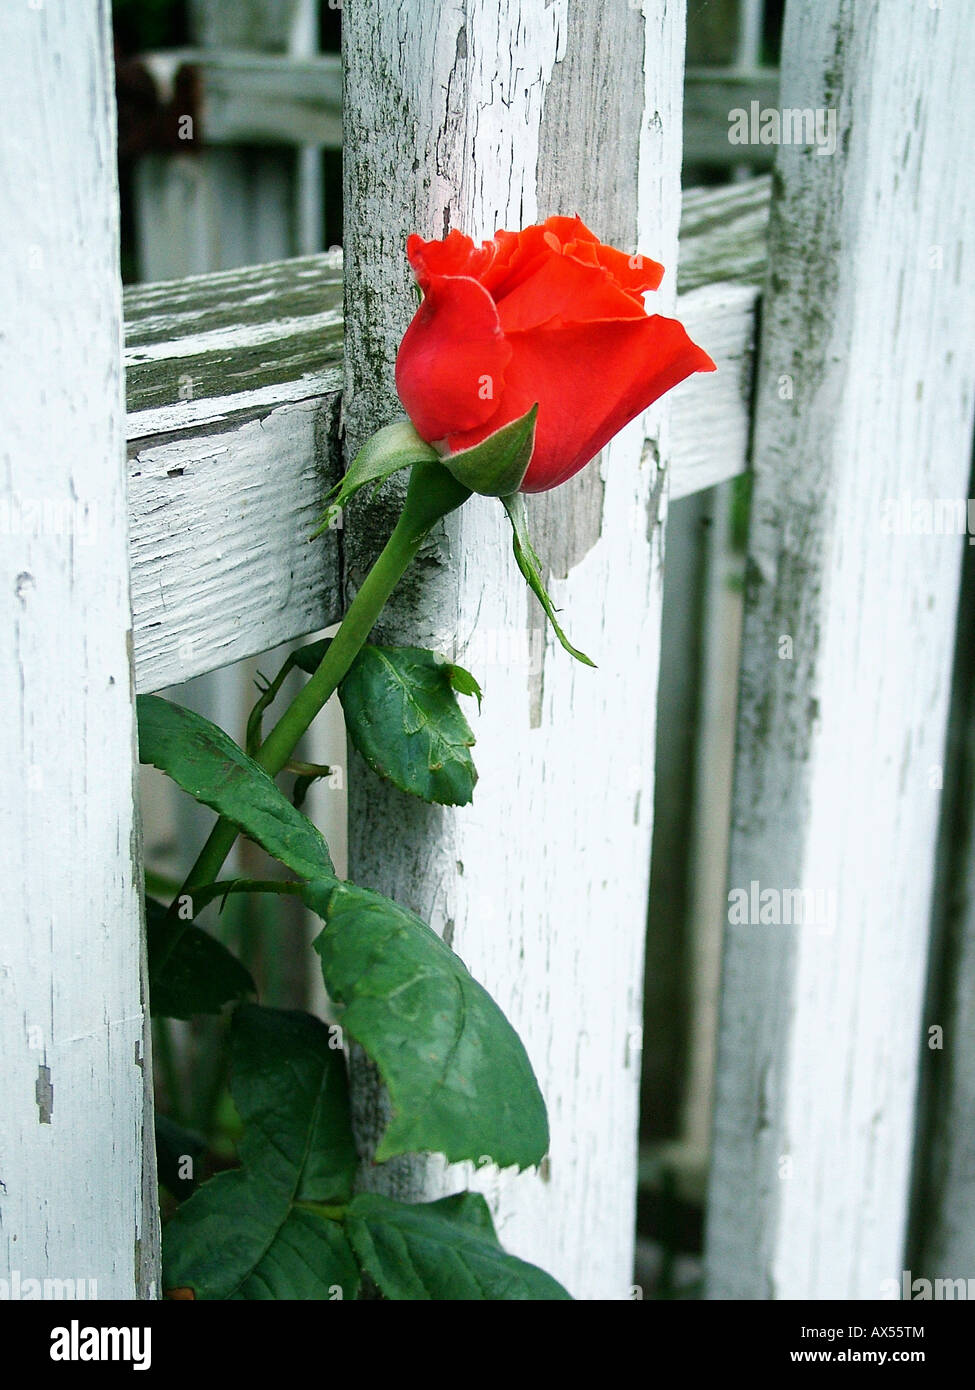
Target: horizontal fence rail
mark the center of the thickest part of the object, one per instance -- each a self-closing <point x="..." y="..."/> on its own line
<point x="233" y="386"/>
<point x="713" y="97"/>
<point x="233" y="382"/>
<point x="253" y="98"/>
<point x="865" y="397"/>
<point x="244" y="98"/>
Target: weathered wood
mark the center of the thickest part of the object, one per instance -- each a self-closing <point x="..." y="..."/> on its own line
<point x="239" y="585"/>
<point x="710" y="415"/>
<point x="278" y="99"/>
<point x="233" y="384"/>
<point x="723" y="259"/>
<point x="231" y="379"/>
<point x="865" y="394"/>
<point x="541" y="885"/>
<point x="255" y="360"/>
<point x="273" y="99"/>
<point x="724" y="235"/>
<point x="77" y="1166"/>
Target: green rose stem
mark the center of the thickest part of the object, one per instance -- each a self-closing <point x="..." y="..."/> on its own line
<point x="432" y="494"/>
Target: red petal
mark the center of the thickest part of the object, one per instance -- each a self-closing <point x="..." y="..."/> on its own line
<point x="589" y="380"/>
<point x="456" y="254"/>
<point x="570" y="229"/>
<point x="519" y="255"/>
<point x="634" y="274"/>
<point x="450" y="368"/>
<point x="564" y="290"/>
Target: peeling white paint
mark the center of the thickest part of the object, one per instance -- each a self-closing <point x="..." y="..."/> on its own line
<point x="78" y="1193"/>
<point x="549" y="912"/>
<point x="821" y="1032"/>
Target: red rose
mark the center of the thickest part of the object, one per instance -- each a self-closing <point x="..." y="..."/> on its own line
<point x="547" y="315"/>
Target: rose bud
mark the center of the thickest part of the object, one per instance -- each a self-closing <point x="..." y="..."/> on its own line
<point x="548" y="316"/>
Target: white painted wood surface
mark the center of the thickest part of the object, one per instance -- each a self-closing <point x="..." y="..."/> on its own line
<point x="711" y="414"/>
<point x="233" y="383"/>
<point x="77" y="1167"/>
<point x="541" y="885"/>
<point x="868" y="313"/>
<point x="260" y="469"/>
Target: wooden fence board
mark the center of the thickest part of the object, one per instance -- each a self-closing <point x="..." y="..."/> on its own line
<point x="233" y="383"/>
<point x="77" y="1167"/>
<point x="864" y="396"/>
<point x="541" y="885"/>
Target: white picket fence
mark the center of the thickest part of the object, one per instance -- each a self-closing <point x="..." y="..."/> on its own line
<point x="478" y="116"/>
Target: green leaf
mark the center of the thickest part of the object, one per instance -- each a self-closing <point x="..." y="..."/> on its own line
<point x="270" y="1229"/>
<point x="309" y="658"/>
<point x="464" y="683"/>
<point x="198" y="975"/>
<point x="394" y="447"/>
<point x="402" y="715"/>
<point x="497" y="466"/>
<point x="174" y="1144"/>
<point x="531" y="568"/>
<point x="458" y="1076"/>
<point x="207" y="763"/>
<point x="435" y="1250"/>
<point x="469" y="1208"/>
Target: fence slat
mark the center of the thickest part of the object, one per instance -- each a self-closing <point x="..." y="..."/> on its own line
<point x="865" y="395"/>
<point x="541" y="885"/>
<point x="76" y="1153"/>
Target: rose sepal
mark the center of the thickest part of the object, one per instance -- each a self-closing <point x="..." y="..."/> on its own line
<point x="384" y="453"/>
<point x="531" y="567"/>
<point x="496" y="467"/>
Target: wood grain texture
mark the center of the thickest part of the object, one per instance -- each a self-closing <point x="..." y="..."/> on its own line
<point x="711" y="415"/>
<point x="724" y="235"/>
<point x="77" y="1181"/>
<point x="232" y="381"/>
<point x="541" y="884"/>
<point x="865" y="394"/>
